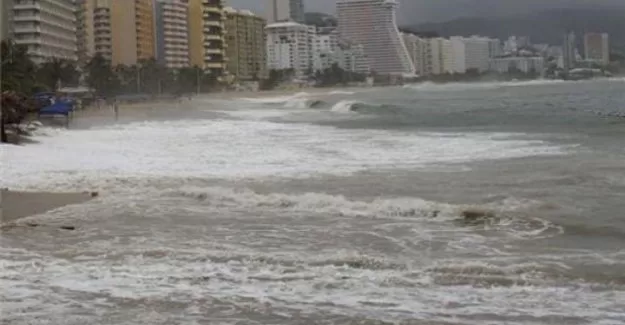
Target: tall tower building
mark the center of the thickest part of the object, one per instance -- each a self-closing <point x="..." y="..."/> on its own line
<point x="172" y="34"/>
<point x="285" y="10"/>
<point x="246" y="51"/>
<point x="290" y="46"/>
<point x="6" y="13"/>
<point x="122" y="31"/>
<point x="569" y="50"/>
<point x="207" y="36"/>
<point x="373" y="24"/>
<point x="46" y="27"/>
<point x="85" y="29"/>
<point x="597" y="47"/>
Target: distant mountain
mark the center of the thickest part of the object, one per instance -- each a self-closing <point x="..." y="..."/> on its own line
<point x="320" y="19"/>
<point x="542" y="27"/>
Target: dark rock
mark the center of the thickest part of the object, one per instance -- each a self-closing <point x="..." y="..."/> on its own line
<point x="95" y="194"/>
<point x="477" y="215"/>
<point x="68" y="227"/>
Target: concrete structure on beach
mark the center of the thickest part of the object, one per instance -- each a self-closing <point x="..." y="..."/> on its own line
<point x="373" y="24"/>
<point x="46" y="27"/>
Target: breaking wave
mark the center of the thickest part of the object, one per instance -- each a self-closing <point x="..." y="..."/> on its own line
<point x="505" y="216"/>
<point x="345" y="106"/>
<point x="462" y="86"/>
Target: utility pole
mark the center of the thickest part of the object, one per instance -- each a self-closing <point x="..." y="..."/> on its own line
<point x="197" y="80"/>
<point x="138" y="79"/>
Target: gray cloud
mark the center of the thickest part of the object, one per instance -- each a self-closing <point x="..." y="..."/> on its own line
<point x="418" y="11"/>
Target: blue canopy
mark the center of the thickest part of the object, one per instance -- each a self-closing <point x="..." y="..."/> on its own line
<point x="59" y="108"/>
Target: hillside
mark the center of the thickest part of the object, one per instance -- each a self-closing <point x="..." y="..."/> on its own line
<point x="319" y="19"/>
<point x="543" y="27"/>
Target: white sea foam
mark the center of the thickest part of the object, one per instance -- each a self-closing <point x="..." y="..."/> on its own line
<point x="341" y="92"/>
<point x="460" y="86"/>
<point x="277" y="99"/>
<point x="344" y="106"/>
<point x="234" y="149"/>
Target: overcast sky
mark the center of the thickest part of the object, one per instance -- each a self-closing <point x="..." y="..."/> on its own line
<point x="419" y="11"/>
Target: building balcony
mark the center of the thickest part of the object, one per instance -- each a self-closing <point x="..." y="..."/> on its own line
<point x="212" y="9"/>
<point x="213" y="51"/>
<point x="27" y="6"/>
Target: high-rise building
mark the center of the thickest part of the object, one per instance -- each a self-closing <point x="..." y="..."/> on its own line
<point x="46" y="27"/>
<point x="290" y="46"/>
<point x="325" y="45"/>
<point x="285" y="10"/>
<point x="372" y="23"/>
<point x="6" y="13"/>
<point x="172" y="33"/>
<point x="569" y="51"/>
<point x="85" y="33"/>
<point x="122" y="31"/>
<point x="597" y="47"/>
<point x="207" y="42"/>
<point x="442" y="56"/>
<point x="471" y="53"/>
<point x="247" y="50"/>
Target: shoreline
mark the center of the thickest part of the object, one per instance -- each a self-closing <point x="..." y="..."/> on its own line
<point x="17" y="205"/>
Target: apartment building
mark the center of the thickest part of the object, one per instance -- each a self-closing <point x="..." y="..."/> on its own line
<point x="441" y="56"/>
<point x="470" y="53"/>
<point x="85" y="32"/>
<point x="285" y="10"/>
<point x="325" y="45"/>
<point x="6" y="14"/>
<point x="46" y="27"/>
<point x="171" y="33"/>
<point x="597" y="47"/>
<point x="122" y="31"/>
<point x="207" y="44"/>
<point x="522" y="64"/>
<point x="373" y="24"/>
<point x="246" y="50"/>
<point x="290" y="46"/>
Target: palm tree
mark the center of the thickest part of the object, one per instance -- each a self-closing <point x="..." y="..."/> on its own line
<point x="18" y="71"/>
<point x="101" y="77"/>
<point x="57" y="72"/>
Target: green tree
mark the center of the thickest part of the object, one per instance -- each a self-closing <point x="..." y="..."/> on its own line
<point x="18" y="71"/>
<point x="101" y="77"/>
<point x="56" y="73"/>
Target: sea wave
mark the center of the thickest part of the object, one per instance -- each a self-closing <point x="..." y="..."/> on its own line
<point x="463" y="86"/>
<point x="277" y="99"/>
<point x="505" y="216"/>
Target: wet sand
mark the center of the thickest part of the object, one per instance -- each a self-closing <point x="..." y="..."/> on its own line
<point x="15" y="205"/>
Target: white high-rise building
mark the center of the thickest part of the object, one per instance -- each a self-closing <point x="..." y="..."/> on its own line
<point x="46" y="27"/>
<point x="442" y="56"/>
<point x="285" y="10"/>
<point x="373" y="24"/>
<point x="472" y="53"/>
<point x="290" y="46"/>
<point x="324" y="51"/>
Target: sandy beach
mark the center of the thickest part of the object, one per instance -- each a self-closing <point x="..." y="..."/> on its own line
<point x="15" y="205"/>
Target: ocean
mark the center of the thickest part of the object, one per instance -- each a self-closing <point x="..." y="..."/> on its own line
<point x="485" y="203"/>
